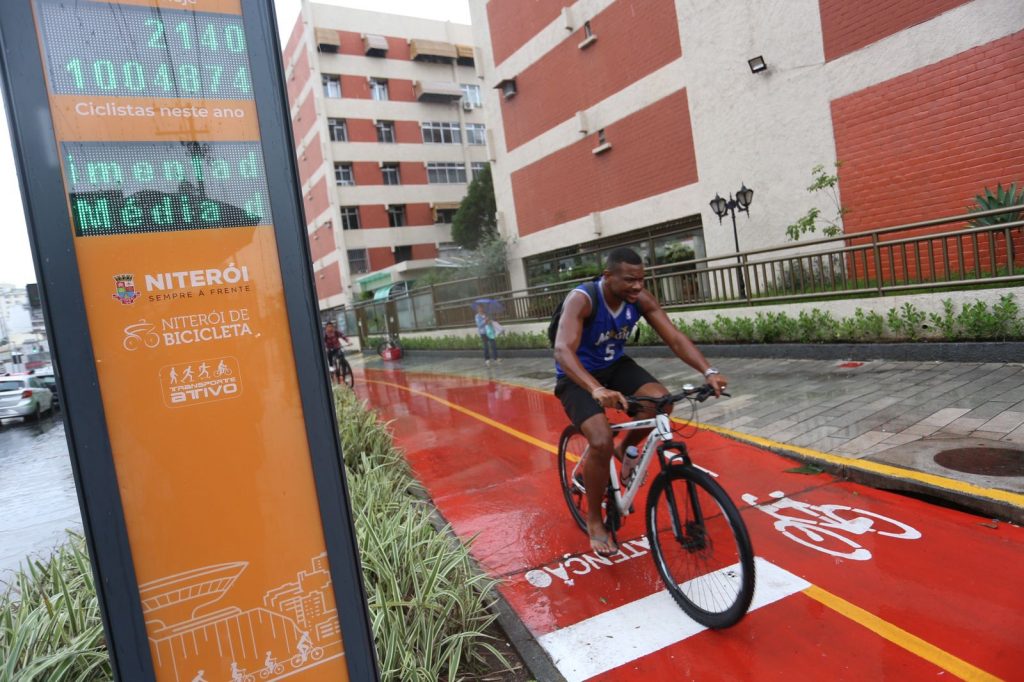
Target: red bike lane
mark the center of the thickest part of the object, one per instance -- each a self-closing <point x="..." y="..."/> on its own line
<point x="935" y="593"/>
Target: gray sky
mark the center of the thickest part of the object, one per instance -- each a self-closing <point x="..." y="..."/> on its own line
<point x="15" y="256"/>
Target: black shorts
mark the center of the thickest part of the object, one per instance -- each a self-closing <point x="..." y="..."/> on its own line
<point x="624" y="376"/>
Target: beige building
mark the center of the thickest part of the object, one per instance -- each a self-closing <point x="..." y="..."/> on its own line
<point x="389" y="130"/>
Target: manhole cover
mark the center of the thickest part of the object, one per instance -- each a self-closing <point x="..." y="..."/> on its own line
<point x="984" y="461"/>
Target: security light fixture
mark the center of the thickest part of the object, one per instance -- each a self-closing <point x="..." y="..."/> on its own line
<point x="757" y="64"/>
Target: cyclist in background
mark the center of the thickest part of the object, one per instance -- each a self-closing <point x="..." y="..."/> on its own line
<point x="594" y="373"/>
<point x="332" y="341"/>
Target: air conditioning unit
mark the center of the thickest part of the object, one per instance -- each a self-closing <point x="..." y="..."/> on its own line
<point x="467" y="106"/>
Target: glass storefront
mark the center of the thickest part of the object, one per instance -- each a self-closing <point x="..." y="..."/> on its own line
<point x="675" y="241"/>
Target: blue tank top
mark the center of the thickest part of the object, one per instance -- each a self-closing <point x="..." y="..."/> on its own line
<point x="603" y="340"/>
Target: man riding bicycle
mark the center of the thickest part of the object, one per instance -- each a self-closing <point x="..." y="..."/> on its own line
<point x="594" y="373"/>
<point x="332" y="341"/>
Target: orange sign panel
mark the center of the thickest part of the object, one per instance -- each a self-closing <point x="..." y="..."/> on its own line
<point x="159" y="141"/>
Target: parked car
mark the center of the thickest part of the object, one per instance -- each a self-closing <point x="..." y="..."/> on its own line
<point x="23" y="395"/>
<point x="48" y="379"/>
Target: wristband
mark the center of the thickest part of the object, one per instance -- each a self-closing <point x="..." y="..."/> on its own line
<point x="709" y="371"/>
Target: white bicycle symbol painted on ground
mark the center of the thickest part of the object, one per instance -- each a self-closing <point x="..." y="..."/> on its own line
<point x="821" y="522"/>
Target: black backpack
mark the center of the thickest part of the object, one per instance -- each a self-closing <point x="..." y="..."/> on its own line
<point x="591" y="289"/>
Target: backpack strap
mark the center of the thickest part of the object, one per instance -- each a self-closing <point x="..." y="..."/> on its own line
<point x="591" y="290"/>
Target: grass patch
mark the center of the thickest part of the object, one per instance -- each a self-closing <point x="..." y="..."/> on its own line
<point x="50" y="627"/>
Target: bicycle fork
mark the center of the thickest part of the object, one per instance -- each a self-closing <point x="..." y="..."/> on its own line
<point x="688" y="534"/>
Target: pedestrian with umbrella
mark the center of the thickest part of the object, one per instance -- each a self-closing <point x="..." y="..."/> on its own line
<point x="487" y="328"/>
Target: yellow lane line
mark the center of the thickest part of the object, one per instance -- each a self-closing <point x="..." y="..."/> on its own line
<point x="1015" y="499"/>
<point x="883" y="628"/>
<point x="900" y="637"/>
<point x="475" y="415"/>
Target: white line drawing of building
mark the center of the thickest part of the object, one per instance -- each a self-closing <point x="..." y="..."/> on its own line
<point x="187" y="631"/>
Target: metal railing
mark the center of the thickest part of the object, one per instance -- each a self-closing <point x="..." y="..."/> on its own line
<point x="917" y="256"/>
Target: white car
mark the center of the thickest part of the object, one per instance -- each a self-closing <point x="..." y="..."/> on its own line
<point x="23" y="395"/>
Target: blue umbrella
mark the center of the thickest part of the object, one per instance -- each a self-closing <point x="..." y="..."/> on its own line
<point x="491" y="306"/>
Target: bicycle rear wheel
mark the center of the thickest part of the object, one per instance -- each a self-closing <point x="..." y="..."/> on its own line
<point x="701" y="547"/>
<point x="572" y="448"/>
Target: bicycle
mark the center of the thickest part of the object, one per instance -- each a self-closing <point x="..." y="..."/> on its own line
<point x="698" y="539"/>
<point x="340" y="368"/>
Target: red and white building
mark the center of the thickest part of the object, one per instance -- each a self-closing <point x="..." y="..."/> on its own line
<point x="617" y="121"/>
<point x="389" y="130"/>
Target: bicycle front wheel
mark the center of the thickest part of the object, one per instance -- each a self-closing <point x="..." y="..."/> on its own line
<point x="701" y="547"/>
<point x="347" y="377"/>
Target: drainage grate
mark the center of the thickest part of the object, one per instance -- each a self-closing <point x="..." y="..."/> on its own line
<point x="983" y="461"/>
<point x="550" y="374"/>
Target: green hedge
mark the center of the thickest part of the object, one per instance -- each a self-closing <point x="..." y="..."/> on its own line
<point x="976" y="321"/>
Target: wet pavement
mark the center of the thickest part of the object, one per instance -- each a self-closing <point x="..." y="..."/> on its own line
<point x="886" y="423"/>
<point x="893" y="588"/>
<point x="37" y="491"/>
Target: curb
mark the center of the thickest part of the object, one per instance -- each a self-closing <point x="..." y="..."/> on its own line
<point x="925" y="351"/>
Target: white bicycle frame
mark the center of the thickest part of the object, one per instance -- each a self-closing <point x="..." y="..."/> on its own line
<point x="661" y="433"/>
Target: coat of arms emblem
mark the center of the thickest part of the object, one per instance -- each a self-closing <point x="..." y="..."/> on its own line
<point x="125" y="289"/>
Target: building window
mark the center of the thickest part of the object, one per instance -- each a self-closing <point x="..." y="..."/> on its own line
<point x="477" y="167"/>
<point x="343" y="174"/>
<point x="441" y="132"/>
<point x="358" y="263"/>
<point x="446" y="173"/>
<point x="445" y="215"/>
<point x="471" y="95"/>
<point x="396" y="215"/>
<point x="332" y="86"/>
<point x="389" y="171"/>
<point x="379" y="89"/>
<point x="350" y="217"/>
<point x="338" y="129"/>
<point x="385" y="131"/>
<point x="403" y="253"/>
<point x="476" y="133"/>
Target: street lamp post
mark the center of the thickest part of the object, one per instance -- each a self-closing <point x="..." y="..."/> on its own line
<point x="741" y="203"/>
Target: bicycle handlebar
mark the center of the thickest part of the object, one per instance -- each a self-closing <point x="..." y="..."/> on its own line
<point x="698" y="393"/>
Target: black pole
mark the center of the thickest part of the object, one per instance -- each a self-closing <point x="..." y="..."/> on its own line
<point x="739" y="273"/>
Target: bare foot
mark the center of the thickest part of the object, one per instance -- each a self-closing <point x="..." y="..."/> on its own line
<point x="602" y="542"/>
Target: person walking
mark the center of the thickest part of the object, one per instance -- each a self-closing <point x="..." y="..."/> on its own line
<point x="488" y="335"/>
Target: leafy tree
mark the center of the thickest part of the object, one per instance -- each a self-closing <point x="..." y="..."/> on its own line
<point x="810" y="221"/>
<point x="475" y="221"/>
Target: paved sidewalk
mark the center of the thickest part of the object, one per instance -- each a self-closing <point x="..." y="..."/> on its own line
<point x="884" y="423"/>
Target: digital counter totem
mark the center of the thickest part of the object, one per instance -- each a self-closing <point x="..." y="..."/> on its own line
<point x="163" y="167"/>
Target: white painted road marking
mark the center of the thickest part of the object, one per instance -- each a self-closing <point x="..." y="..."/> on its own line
<point x="642" y="627"/>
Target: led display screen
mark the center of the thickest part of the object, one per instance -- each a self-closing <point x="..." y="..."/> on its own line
<point x="131" y="51"/>
<point x="133" y="187"/>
